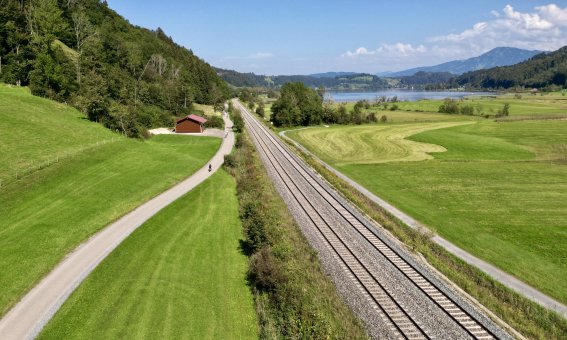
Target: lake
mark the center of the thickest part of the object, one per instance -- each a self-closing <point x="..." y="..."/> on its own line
<point x="406" y="95"/>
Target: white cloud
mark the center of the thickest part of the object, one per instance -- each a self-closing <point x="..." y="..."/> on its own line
<point x="399" y="49"/>
<point x="553" y="14"/>
<point x="544" y="28"/>
<point x="261" y="55"/>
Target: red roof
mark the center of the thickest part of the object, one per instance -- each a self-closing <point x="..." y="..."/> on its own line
<point x="195" y="118"/>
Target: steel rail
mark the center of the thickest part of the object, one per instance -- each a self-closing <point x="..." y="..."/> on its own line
<point x="446" y="303"/>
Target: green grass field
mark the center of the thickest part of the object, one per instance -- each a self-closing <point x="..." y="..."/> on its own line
<point x="499" y="190"/>
<point x="553" y="104"/>
<point x="180" y="275"/>
<point x="46" y="214"/>
<point x="34" y="130"/>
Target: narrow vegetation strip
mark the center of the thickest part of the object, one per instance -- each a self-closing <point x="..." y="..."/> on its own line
<point x="180" y="275"/>
<point x="294" y="299"/>
<point x="525" y="316"/>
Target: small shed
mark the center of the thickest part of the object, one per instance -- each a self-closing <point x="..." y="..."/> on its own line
<point x="190" y="124"/>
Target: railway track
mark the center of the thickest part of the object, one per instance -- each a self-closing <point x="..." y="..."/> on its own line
<point x="290" y="169"/>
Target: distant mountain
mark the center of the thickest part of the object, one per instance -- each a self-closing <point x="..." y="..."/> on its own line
<point x="500" y="56"/>
<point x="331" y="74"/>
<point x="543" y="70"/>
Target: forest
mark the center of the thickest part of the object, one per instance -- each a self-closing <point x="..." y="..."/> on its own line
<point x="83" y="53"/>
<point x="545" y="70"/>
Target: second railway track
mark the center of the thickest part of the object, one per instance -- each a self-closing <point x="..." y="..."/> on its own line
<point x="399" y="319"/>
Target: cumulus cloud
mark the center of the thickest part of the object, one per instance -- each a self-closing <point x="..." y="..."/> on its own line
<point x="543" y="28"/>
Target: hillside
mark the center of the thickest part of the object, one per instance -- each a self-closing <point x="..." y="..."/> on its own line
<point x="331" y="74"/>
<point x="425" y="78"/>
<point x="340" y="81"/>
<point x="35" y="130"/>
<point x="127" y="77"/>
<point x="501" y="56"/>
<point x="546" y="69"/>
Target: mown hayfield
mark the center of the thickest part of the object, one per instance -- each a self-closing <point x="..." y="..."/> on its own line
<point x="180" y="275"/>
<point x="499" y="190"/>
<point x="47" y="213"/>
<point x="369" y="144"/>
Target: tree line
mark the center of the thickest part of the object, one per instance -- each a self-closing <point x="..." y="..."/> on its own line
<point x="83" y="53"/>
<point x="299" y="105"/>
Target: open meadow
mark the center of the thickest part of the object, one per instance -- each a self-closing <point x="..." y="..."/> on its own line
<point x="496" y="189"/>
<point x="48" y="212"/>
<point x="180" y="275"/>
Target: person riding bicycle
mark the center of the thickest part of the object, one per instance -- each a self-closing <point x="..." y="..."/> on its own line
<point x="210" y="167"/>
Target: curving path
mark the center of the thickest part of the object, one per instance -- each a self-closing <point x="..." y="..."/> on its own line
<point x="26" y="319"/>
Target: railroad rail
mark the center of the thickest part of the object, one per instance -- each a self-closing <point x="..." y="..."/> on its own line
<point x="394" y="314"/>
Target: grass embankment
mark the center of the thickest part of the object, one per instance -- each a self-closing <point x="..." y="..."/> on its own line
<point x="180" y="275"/>
<point x="294" y="298"/>
<point x="46" y="214"/>
<point x="495" y="193"/>
<point x="34" y="131"/>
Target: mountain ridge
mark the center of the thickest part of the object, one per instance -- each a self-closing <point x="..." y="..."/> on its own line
<point x="499" y="56"/>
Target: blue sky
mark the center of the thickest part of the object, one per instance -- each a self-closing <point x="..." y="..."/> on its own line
<point x="309" y="36"/>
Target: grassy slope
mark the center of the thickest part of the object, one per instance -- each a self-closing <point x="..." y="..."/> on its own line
<point x="33" y="129"/>
<point x="46" y="214"/>
<point x="180" y="275"/>
<point x="491" y="194"/>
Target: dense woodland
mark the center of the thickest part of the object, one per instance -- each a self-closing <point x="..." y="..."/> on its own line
<point x="545" y="70"/>
<point x="83" y="53"/>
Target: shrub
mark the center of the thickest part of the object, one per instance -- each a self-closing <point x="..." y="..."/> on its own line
<point x="504" y="111"/>
<point x="229" y="161"/>
<point x="383" y="119"/>
<point x="214" y="122"/>
<point x="449" y="106"/>
<point x="371" y="117"/>
<point x="237" y="121"/>
<point x="467" y="110"/>
<point x="394" y="107"/>
<point x="263" y="272"/>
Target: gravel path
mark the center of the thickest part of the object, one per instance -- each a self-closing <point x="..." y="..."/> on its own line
<point x="31" y="314"/>
<point x="436" y="323"/>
